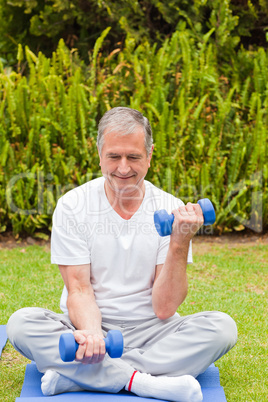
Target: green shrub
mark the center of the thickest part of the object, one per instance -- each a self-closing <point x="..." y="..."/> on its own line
<point x="40" y="24"/>
<point x="210" y="129"/>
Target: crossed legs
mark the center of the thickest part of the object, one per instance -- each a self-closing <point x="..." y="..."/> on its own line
<point x="179" y="347"/>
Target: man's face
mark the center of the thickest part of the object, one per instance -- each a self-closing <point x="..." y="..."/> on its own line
<point x="124" y="162"/>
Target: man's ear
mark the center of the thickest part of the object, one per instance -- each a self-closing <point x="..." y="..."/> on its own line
<point x="99" y="155"/>
<point x="150" y="155"/>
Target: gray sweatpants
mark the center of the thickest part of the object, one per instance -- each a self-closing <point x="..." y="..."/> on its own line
<point x="172" y="347"/>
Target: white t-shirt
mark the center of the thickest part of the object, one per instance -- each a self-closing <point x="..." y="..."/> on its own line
<point x="123" y="253"/>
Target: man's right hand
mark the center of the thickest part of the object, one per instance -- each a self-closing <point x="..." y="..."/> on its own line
<point x="91" y="347"/>
<point x="84" y="313"/>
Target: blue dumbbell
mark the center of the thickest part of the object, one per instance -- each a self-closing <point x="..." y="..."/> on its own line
<point x="114" y="344"/>
<point x="163" y="221"/>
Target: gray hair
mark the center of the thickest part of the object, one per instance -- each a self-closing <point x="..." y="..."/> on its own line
<point x="124" y="121"/>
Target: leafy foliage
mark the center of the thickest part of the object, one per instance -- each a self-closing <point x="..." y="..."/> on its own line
<point x="41" y="24"/>
<point x="210" y="129"/>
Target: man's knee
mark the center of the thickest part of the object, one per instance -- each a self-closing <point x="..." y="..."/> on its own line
<point x="226" y="330"/>
<point x="18" y="327"/>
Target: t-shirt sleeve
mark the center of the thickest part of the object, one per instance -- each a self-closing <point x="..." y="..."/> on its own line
<point x="68" y="246"/>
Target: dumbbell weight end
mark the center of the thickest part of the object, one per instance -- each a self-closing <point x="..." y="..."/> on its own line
<point x="208" y="211"/>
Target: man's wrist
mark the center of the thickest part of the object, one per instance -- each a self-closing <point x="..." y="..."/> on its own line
<point x="179" y="247"/>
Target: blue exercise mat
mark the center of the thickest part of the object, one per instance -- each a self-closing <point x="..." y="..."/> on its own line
<point x="3" y="337"/>
<point x="31" y="390"/>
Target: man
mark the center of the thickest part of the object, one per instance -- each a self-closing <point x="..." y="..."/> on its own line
<point x="120" y="274"/>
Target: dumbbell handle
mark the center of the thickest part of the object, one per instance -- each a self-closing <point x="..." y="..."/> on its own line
<point x="68" y="346"/>
<point x="163" y="221"/>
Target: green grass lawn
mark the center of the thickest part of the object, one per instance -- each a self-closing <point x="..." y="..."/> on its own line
<point x="229" y="277"/>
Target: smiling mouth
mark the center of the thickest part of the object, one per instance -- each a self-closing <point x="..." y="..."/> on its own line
<point x="124" y="178"/>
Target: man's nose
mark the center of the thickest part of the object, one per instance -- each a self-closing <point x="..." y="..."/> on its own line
<point x="123" y="167"/>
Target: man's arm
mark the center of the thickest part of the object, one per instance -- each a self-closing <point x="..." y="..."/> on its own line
<point x="84" y="313"/>
<point x="171" y="285"/>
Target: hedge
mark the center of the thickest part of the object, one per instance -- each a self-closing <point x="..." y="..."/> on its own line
<point x="40" y="24"/>
<point x="209" y="123"/>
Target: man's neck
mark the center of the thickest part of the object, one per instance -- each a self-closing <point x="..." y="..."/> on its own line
<point x="125" y="204"/>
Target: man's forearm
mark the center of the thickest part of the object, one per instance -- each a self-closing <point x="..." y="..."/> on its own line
<point x="170" y="287"/>
<point x="84" y="312"/>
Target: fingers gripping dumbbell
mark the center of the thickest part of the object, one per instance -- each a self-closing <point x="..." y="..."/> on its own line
<point x="68" y="346"/>
<point x="163" y="221"/>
